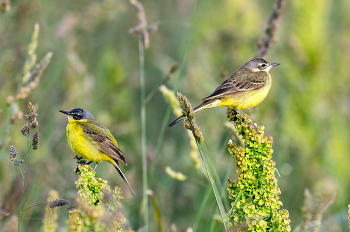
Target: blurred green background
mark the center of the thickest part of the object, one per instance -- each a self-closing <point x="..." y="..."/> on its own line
<point x="96" y="66"/>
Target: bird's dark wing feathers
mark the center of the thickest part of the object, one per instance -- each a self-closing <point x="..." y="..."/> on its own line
<point x="236" y="85"/>
<point x="97" y="134"/>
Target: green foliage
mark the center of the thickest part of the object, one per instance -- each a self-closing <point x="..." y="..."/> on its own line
<point x="91" y="188"/>
<point x="98" y="207"/>
<point x="96" y="65"/>
<point x="95" y="218"/>
<point x="255" y="191"/>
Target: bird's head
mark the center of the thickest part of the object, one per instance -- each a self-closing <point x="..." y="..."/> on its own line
<point x="78" y="114"/>
<point x="259" y="64"/>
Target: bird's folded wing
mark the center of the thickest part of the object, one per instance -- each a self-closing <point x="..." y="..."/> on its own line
<point x="104" y="140"/>
<point x="236" y="85"/>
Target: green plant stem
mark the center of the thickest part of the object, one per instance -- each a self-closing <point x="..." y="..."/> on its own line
<point x="157" y="212"/>
<point x="35" y="205"/>
<point x="177" y="80"/>
<point x="207" y="192"/>
<point x="235" y="203"/>
<point x="29" y="148"/>
<point x="143" y="132"/>
<point x="217" y="176"/>
<point x="159" y="144"/>
<point x="201" y="209"/>
<point x="212" y="183"/>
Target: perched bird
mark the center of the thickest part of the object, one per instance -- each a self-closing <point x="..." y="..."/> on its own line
<point x="89" y="139"/>
<point x="245" y="88"/>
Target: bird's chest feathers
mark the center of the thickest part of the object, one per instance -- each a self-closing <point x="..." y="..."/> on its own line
<point x="80" y="143"/>
<point x="248" y="99"/>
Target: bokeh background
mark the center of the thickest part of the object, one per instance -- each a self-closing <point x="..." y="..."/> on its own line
<point x="96" y="66"/>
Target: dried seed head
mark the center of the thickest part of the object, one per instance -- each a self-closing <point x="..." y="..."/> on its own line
<point x="36" y="140"/>
<point x="34" y="124"/>
<point x="152" y="28"/>
<point x="174" y="68"/>
<point x="32" y="79"/>
<point x="197" y="133"/>
<point x="16" y="116"/>
<point x="13" y="153"/>
<point x="5" y="6"/>
<point x="58" y="203"/>
<point x="141" y="28"/>
<point x="9" y="100"/>
<point x="187" y="124"/>
<point x="185" y="106"/>
<point x="175" y="175"/>
<point x="31" y="115"/>
<point x="25" y="129"/>
<point x="18" y="162"/>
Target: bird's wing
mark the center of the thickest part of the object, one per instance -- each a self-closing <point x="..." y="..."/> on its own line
<point x="103" y="139"/>
<point x="238" y="84"/>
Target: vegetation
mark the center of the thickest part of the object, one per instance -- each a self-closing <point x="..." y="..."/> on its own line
<point x="81" y="54"/>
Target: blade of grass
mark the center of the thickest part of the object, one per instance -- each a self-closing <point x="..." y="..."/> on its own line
<point x="217" y="176"/>
<point x="207" y="192"/>
<point x="143" y="133"/>
<point x="213" y="185"/>
<point x="156" y="210"/>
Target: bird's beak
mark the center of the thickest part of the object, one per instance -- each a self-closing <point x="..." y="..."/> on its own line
<point x="65" y="112"/>
<point x="275" y="64"/>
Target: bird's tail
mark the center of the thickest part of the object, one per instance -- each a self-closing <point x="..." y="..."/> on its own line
<point x="207" y="104"/>
<point x="124" y="179"/>
<point x="176" y="121"/>
<point x="204" y="105"/>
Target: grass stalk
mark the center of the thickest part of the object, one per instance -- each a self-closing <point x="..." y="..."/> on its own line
<point x="213" y="185"/>
<point x="29" y="148"/>
<point x="143" y="132"/>
<point x="208" y="192"/>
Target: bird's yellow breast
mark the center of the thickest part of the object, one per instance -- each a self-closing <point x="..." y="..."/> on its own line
<point x="82" y="145"/>
<point x="246" y="100"/>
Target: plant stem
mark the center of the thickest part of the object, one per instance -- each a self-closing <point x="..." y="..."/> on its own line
<point x="29" y="148"/>
<point x="143" y="131"/>
<point x="159" y="144"/>
<point x="212" y="183"/>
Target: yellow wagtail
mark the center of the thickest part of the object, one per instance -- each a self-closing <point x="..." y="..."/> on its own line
<point x="89" y="139"/>
<point x="245" y="88"/>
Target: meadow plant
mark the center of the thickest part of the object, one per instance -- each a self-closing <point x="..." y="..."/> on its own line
<point x="99" y="208"/>
<point x="5" y="6"/>
<point x="95" y="218"/>
<point x="256" y="205"/>
<point x="31" y="74"/>
<point x="91" y="188"/>
<point x="170" y="98"/>
<point x="189" y="124"/>
<point x="313" y="211"/>
<point x="50" y="217"/>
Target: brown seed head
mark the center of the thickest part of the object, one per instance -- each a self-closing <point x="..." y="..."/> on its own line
<point x="58" y="203"/>
<point x="25" y="129"/>
<point x="185" y="106"/>
<point x="18" y="162"/>
<point x="36" y="140"/>
<point x="13" y="153"/>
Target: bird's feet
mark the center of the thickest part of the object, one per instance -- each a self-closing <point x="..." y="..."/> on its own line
<point x="249" y="122"/>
